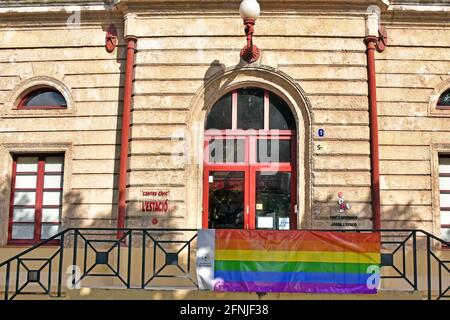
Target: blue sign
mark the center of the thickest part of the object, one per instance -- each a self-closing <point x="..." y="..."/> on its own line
<point x="321" y="133"/>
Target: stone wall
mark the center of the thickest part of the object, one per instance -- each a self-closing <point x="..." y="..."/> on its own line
<point x="320" y="52"/>
<point x="48" y="51"/>
<point x="323" y="54"/>
<point x="411" y="74"/>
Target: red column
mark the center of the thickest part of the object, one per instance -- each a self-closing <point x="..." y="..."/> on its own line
<point x="131" y="48"/>
<point x="371" y="43"/>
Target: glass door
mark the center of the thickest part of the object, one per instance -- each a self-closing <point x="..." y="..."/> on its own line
<point x="227" y="199"/>
<point x="272" y="182"/>
<point x="273" y="201"/>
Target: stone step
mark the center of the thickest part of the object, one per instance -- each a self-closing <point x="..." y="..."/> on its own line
<point x="183" y="294"/>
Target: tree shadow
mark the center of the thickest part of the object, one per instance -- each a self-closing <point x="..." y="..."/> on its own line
<point x="120" y="53"/>
<point x="5" y="188"/>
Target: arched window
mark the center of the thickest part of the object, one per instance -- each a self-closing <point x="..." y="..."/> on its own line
<point x="250" y="109"/>
<point x="444" y="100"/>
<point x="249" y="168"/>
<point x="43" y="98"/>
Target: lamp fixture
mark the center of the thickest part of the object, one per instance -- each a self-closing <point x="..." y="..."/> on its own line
<point x="249" y="11"/>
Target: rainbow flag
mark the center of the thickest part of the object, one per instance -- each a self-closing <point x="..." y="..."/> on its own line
<point x="288" y="261"/>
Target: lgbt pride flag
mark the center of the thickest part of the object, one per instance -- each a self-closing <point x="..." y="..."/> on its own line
<point x="288" y="261"/>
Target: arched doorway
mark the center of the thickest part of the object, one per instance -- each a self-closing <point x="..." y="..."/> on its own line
<point x="249" y="167"/>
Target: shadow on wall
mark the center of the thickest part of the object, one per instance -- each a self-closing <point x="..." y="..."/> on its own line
<point x="121" y="52"/>
<point x="75" y="212"/>
<point x="5" y="188"/>
<point x="213" y="93"/>
<point x="86" y="213"/>
<point x="177" y="213"/>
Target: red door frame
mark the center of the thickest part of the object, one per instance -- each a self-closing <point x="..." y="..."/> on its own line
<point x="250" y="167"/>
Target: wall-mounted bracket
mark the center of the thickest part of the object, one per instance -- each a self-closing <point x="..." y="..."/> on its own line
<point x="382" y="41"/>
<point x="111" y="38"/>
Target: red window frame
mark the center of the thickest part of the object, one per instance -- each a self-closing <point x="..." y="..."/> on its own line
<point x="22" y="105"/>
<point x="442" y="209"/>
<point x="250" y="165"/>
<point x="38" y="206"/>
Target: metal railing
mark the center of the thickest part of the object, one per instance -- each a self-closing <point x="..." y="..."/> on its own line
<point x="163" y="258"/>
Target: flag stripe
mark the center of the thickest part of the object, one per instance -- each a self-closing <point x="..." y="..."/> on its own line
<point x="297" y="256"/>
<point x="279" y="237"/>
<point x="307" y="245"/>
<point x="294" y="287"/>
<point x="288" y="277"/>
<point x="291" y="266"/>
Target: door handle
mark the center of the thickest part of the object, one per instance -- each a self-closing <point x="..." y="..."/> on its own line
<point x="248" y="212"/>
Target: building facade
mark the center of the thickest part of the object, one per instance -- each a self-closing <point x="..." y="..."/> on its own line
<point x="72" y="154"/>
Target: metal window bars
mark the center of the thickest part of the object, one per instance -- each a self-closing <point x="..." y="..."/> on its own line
<point x="164" y="258"/>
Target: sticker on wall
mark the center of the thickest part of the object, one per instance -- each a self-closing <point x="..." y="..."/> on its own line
<point x="342" y="219"/>
<point x="321" y="148"/>
<point x="259" y="206"/>
<point x="343" y="205"/>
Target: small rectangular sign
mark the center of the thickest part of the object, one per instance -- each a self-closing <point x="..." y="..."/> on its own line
<point x="283" y="224"/>
<point x="265" y="223"/>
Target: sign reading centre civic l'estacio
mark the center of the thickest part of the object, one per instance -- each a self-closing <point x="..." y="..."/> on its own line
<point x="155" y="201"/>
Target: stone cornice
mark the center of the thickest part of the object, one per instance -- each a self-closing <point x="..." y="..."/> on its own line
<point x="58" y="6"/>
<point x="53" y="7"/>
<point x="231" y="6"/>
<point x="403" y="10"/>
<point x="425" y="12"/>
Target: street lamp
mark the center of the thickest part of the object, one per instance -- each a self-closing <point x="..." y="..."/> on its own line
<point x="250" y="11"/>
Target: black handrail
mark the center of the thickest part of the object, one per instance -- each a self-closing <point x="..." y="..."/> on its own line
<point x="163" y="255"/>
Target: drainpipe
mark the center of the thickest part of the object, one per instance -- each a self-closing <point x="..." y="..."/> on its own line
<point x="131" y="49"/>
<point x="374" y="146"/>
<point x="376" y="39"/>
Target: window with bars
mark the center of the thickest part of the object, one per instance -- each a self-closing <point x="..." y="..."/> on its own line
<point x="444" y="188"/>
<point x="36" y="197"/>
